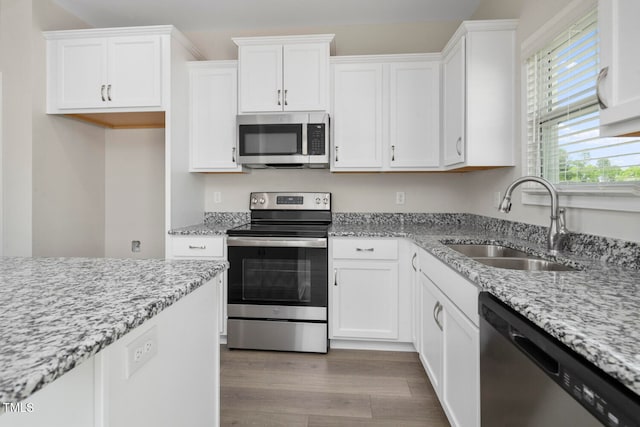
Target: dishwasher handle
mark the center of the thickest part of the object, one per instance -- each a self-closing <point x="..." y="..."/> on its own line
<point x="543" y="359"/>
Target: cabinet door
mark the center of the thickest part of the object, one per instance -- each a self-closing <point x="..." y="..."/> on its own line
<point x="619" y="34"/>
<point x="365" y="300"/>
<point x="431" y="332"/>
<point x="357" y="117"/>
<point x="414" y="116"/>
<point x="213" y="109"/>
<point x="306" y="72"/>
<point x="135" y="72"/>
<point x="454" y="100"/>
<point x="416" y="302"/>
<point x="260" y="78"/>
<point x="461" y="368"/>
<point x="81" y="73"/>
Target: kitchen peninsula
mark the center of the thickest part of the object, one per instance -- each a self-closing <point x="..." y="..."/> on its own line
<point x="94" y="341"/>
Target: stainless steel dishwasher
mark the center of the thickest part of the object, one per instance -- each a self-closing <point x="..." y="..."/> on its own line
<point x="528" y="378"/>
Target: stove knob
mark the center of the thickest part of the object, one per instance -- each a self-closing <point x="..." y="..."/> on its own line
<point x="326" y="200"/>
<point x="317" y="200"/>
<point x="262" y="201"/>
<point x="254" y="201"/>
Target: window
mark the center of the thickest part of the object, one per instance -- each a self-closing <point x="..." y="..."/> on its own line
<point x="564" y="145"/>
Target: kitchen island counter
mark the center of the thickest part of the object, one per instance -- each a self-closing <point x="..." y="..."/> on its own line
<point x="57" y="312"/>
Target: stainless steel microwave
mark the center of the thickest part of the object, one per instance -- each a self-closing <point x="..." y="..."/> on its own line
<point x="284" y="140"/>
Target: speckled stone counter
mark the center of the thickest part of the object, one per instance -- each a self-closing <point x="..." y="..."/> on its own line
<point x="57" y="312"/>
<point x="595" y="310"/>
<point x="215" y="224"/>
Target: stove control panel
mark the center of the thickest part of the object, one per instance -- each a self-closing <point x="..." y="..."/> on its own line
<point x="290" y="201"/>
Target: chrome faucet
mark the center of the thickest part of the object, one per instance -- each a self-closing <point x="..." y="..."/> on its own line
<point x="557" y="230"/>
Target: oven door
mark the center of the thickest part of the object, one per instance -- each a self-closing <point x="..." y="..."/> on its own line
<point x="290" y="273"/>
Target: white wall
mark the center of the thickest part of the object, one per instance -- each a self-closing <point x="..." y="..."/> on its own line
<point x="357" y="192"/>
<point x="134" y="193"/>
<point x="481" y="185"/>
<point x="15" y="56"/>
<point x="418" y="37"/>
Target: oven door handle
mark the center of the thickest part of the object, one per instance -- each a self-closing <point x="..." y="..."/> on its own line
<point x="278" y="242"/>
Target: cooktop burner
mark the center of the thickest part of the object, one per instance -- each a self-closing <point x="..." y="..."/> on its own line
<point x="287" y="215"/>
<point x="284" y="229"/>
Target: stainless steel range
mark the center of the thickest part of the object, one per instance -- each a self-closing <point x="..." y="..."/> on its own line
<point x="278" y="285"/>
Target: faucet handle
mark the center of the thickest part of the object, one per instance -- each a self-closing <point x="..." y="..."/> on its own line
<point x="562" y="220"/>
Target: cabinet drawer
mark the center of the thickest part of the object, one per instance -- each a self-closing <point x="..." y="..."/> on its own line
<point x="197" y="247"/>
<point x="365" y="249"/>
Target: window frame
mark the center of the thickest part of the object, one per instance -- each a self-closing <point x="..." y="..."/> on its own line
<point x="606" y="196"/>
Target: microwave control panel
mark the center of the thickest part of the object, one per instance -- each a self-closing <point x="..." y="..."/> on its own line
<point x="316" y="139"/>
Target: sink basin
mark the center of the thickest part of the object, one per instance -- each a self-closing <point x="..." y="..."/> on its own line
<point x="528" y="264"/>
<point x="494" y="251"/>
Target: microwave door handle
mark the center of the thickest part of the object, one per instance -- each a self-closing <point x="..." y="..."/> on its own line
<point x="305" y="148"/>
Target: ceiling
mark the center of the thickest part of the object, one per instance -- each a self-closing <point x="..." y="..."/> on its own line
<point x="198" y="15"/>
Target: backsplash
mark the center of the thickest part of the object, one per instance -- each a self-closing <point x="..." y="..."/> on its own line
<point x="212" y="218"/>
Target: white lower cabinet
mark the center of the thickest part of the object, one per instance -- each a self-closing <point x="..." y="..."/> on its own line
<point x="365" y="300"/>
<point x="449" y="341"/>
<point x="205" y="247"/>
<point x="365" y="291"/>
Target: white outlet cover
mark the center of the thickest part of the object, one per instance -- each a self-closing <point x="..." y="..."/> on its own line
<point x="141" y="350"/>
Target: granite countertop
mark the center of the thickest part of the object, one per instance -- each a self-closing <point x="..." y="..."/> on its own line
<point x="595" y="310"/>
<point x="57" y="312"/>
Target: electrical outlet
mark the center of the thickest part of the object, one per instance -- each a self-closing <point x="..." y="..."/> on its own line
<point x="141" y="350"/>
<point x="135" y="246"/>
<point x="400" y="198"/>
<point x="217" y="197"/>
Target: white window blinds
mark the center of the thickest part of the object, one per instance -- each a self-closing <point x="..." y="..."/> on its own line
<point x="564" y="145"/>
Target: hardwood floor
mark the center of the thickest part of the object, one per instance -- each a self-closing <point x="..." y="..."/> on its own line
<point x="341" y="388"/>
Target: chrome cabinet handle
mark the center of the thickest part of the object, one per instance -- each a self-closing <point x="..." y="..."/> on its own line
<point x="279" y="92"/>
<point x="365" y="249"/>
<point x="435" y="314"/>
<point x="335" y="277"/>
<point x="285" y="97"/>
<point x="601" y="76"/>
<point x="336" y="154"/>
<point x="197" y="247"/>
<point x="102" y="93"/>
<point x="109" y="92"/>
<point x="459" y="146"/>
<point x="413" y="264"/>
<point x="393" y="153"/>
<point x="233" y="154"/>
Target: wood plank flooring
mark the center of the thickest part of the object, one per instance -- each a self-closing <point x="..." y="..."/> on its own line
<point x="341" y="388"/>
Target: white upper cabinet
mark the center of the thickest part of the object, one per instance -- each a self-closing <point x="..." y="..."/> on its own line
<point x="479" y="95"/>
<point x="619" y="80"/>
<point x="454" y="85"/>
<point x="212" y="116"/>
<point x="414" y="119"/>
<point x="385" y="113"/>
<point x="356" y="117"/>
<point x="283" y="73"/>
<point x="102" y="70"/>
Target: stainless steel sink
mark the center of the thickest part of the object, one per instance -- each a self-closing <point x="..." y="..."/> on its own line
<point x="528" y="264"/>
<point x="504" y="257"/>
<point x="489" y="251"/>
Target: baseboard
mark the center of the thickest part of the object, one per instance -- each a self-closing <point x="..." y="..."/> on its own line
<point x="372" y="345"/>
